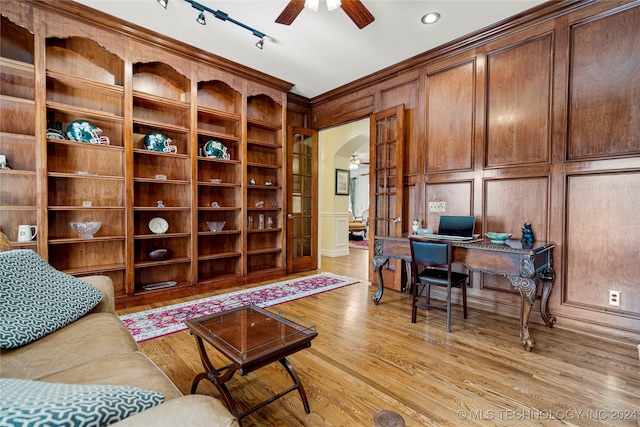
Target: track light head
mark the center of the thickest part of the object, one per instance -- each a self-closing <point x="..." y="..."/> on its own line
<point x="163" y="3"/>
<point x="201" y="19"/>
<point x="260" y="44"/>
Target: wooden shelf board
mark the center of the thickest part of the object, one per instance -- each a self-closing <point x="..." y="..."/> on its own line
<point x="222" y="184"/>
<point x="146" y="152"/>
<point x="17" y="208"/>
<point x="216" y="160"/>
<point x="220" y="115"/>
<point x="262" y="124"/>
<point x="170" y="261"/>
<point x="263" y="144"/>
<point x="78" y="82"/>
<point x="82" y="176"/>
<point x="161" y="236"/>
<point x="17" y="172"/>
<point x="85" y="208"/>
<point x="218" y="233"/>
<point x="160" y="101"/>
<point x="17" y="136"/>
<point x="87" y="145"/>
<point x="161" y="125"/>
<point x="66" y="241"/>
<point x="220" y="209"/>
<point x="17" y="244"/>
<point x="85" y="113"/>
<point x="12" y="99"/>
<point x="166" y="208"/>
<point x="264" y="251"/>
<point x="17" y="68"/>
<point x="220" y="255"/>
<point x="264" y="230"/>
<point x="262" y="165"/>
<point x="162" y="181"/>
<point x="219" y="135"/>
<point x="94" y="269"/>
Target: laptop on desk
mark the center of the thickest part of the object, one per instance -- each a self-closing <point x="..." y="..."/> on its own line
<point x="454" y="227"/>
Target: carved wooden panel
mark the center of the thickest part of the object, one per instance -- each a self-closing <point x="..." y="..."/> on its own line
<point x="519" y="103"/>
<point x="508" y="204"/>
<point x="458" y="198"/>
<point x="602" y="245"/>
<point x="605" y="86"/>
<point x="450" y="118"/>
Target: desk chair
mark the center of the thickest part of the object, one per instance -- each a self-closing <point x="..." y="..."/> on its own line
<point x="431" y="265"/>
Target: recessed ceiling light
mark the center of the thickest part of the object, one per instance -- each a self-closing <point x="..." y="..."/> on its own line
<point x="430" y="18"/>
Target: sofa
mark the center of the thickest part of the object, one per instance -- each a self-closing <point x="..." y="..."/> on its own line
<point x="88" y="367"/>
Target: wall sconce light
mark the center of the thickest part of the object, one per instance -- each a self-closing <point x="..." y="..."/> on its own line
<point x="221" y="16"/>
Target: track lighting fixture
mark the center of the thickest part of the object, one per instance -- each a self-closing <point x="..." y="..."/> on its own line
<point x="221" y="16"/>
<point x="201" y="19"/>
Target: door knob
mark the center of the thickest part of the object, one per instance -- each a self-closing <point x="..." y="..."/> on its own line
<point x="290" y="216"/>
<point x="396" y="220"/>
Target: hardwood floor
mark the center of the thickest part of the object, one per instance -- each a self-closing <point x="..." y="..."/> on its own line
<point x="367" y="358"/>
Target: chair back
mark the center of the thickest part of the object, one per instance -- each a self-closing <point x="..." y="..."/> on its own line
<point x="430" y="253"/>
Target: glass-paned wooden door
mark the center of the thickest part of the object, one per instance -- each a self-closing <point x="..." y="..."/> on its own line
<point x="302" y="215"/>
<point x="386" y="182"/>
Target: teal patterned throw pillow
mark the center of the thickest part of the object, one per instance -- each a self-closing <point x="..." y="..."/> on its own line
<point x="37" y="403"/>
<point x="36" y="299"/>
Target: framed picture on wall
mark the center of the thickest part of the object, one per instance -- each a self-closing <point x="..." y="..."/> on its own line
<point x="342" y="182"/>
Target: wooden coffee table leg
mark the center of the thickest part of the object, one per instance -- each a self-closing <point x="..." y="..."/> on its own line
<point x="297" y="384"/>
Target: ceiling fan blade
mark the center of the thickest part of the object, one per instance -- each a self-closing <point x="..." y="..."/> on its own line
<point x="290" y="12"/>
<point x="358" y="13"/>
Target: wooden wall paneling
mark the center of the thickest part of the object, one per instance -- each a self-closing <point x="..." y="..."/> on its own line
<point x="450" y="119"/>
<point x="604" y="85"/>
<point x="405" y="90"/>
<point x="602" y="244"/>
<point x="519" y="103"/>
<point x="508" y="204"/>
<point x="352" y="107"/>
<point x="298" y="110"/>
<point x="458" y="197"/>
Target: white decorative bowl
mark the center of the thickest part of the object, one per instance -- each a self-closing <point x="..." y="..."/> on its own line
<point x="216" y="225"/>
<point x="86" y="229"/>
<point x="497" y="237"/>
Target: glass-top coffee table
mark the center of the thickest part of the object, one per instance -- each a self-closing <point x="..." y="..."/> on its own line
<point x="251" y="338"/>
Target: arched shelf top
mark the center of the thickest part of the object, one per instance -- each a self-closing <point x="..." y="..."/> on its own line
<point x="219" y="95"/>
<point x="17" y="41"/>
<point x="263" y="108"/>
<point x="160" y="79"/>
<point x="84" y="58"/>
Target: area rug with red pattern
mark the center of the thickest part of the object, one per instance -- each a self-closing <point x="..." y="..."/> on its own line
<point x="157" y="322"/>
<point x="359" y="244"/>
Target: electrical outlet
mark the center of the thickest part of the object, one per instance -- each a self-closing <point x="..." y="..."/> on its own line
<point x="437" y="206"/>
<point x="614" y="298"/>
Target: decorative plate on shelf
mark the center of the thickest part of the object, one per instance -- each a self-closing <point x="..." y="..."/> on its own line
<point x="216" y="149"/>
<point x="158" y="225"/>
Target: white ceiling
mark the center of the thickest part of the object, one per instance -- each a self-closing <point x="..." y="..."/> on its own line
<point x="321" y="50"/>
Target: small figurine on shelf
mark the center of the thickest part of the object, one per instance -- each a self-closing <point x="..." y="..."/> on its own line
<point x="215" y="204"/>
<point x="252" y="182"/>
<point x="160" y="203"/>
<point x="274" y="204"/>
<point x="268" y="182"/>
<point x="527" y="233"/>
<point x="3" y="162"/>
<point x="260" y="204"/>
<point x="416" y="225"/>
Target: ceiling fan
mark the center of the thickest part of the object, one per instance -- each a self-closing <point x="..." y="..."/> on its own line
<point x="358" y="13"/>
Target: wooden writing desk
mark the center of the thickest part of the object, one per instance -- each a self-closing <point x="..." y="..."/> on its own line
<point x="524" y="265"/>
